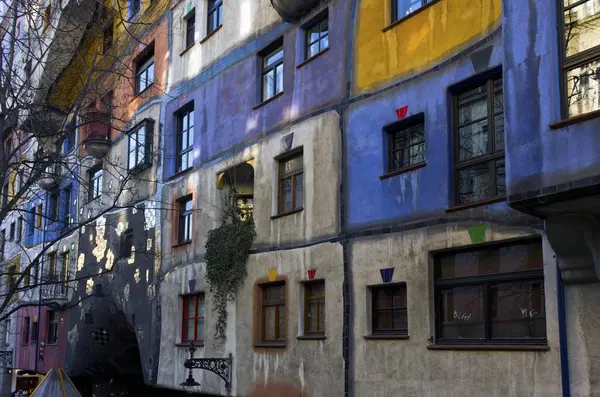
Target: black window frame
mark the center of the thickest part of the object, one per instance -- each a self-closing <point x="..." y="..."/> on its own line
<point x="216" y="8"/>
<point x="394" y="8"/>
<point x="25" y="329"/>
<point x="316" y="22"/>
<point x="96" y="180"/>
<point x="399" y="287"/>
<point x="190" y="28"/>
<point x="143" y="63"/>
<point x="407" y="126"/>
<point x="127" y="242"/>
<point x="12" y="231"/>
<point x="53" y="321"/>
<point x="270" y="51"/>
<point x="294" y="175"/>
<point x="185" y="236"/>
<point x="34" y="331"/>
<point x="186" y="112"/>
<point x="486" y="280"/>
<point x="20" y="221"/>
<point x="53" y="205"/>
<point x="320" y="300"/>
<point x="493" y="155"/>
<point x="142" y="160"/>
<point x="572" y="62"/>
<point x="279" y="333"/>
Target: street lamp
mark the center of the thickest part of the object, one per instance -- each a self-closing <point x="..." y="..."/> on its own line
<point x="219" y="366"/>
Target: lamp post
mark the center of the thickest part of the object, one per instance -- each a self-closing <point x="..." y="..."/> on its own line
<point x="220" y="366"/>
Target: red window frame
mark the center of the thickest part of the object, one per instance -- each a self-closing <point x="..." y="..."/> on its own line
<point x="185" y="319"/>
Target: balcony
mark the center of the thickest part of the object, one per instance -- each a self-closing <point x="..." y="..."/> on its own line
<point x="47" y="124"/>
<point x="50" y="177"/>
<point x="54" y="289"/>
<point x="96" y="140"/>
<point x="293" y="10"/>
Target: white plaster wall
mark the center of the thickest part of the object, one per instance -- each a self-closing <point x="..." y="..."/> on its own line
<point x="242" y="20"/>
<point x="406" y="366"/>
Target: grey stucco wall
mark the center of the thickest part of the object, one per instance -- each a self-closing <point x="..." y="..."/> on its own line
<point x="407" y="367"/>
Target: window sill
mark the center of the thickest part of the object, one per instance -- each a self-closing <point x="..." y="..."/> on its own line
<point x="403" y="170"/>
<point x="211" y="34"/>
<point x="184" y="243"/>
<point x="386" y="337"/>
<point x="182" y="53"/>
<point x="271" y="345"/>
<point x="576" y="119"/>
<point x="139" y="94"/>
<point x="312" y="337"/>
<point x="186" y="344"/>
<point x="476" y="204"/>
<point x="287" y="213"/>
<point x="412" y="14"/>
<point x="491" y="347"/>
<point x="263" y="103"/>
<point x="179" y="173"/>
<point x="309" y="60"/>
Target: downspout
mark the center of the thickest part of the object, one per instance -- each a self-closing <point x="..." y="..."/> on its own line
<point x="562" y="333"/>
<point x="39" y="315"/>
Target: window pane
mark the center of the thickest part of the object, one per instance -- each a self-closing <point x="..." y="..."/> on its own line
<point x="473" y="184"/>
<point x="141" y="135"/>
<point x="518" y="310"/>
<point x="417" y="153"/>
<point x="274" y="293"/>
<point x="582" y="27"/>
<point x="322" y="316"/>
<point x="499" y="132"/>
<point x="291" y="165"/>
<point x="150" y="73"/>
<point x="286" y="191"/>
<point x="405" y="7"/>
<point x="315" y="290"/>
<point x="191" y="119"/>
<point x="473" y="140"/>
<point x="279" y="82"/>
<point x="313" y="49"/>
<point x="313" y="34"/>
<point x="268" y="85"/>
<point x="184" y="140"/>
<point x="583" y="88"/>
<point x="399" y="299"/>
<point x="299" y="191"/>
<point x="313" y="317"/>
<point x="274" y="57"/>
<point x="281" y="325"/>
<point x="462" y="313"/>
<point x="500" y="178"/>
<point x="190" y="307"/>
<point x="200" y="306"/>
<point x="382" y="319"/>
<point x="269" y="322"/>
<point x="200" y="330"/>
<point x="399" y="319"/>
<point x="189" y="330"/>
<point x="383" y="298"/>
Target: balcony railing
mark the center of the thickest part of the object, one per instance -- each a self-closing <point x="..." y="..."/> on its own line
<point x="54" y="288"/>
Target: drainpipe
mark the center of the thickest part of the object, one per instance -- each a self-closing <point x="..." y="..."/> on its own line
<point x="39" y="316"/>
<point x="562" y="333"/>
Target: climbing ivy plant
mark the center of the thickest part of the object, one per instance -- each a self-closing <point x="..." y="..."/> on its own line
<point x="227" y="249"/>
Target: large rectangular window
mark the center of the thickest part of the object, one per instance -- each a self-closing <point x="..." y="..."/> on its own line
<point x="215" y="15"/>
<point x="190" y="28"/>
<point x="192" y="329"/>
<point x="403" y="8"/>
<point x="272" y="70"/>
<point x="389" y="310"/>
<point x="491" y="295"/>
<point x="144" y="71"/>
<point x="291" y="184"/>
<point x="317" y="36"/>
<point x="581" y="58"/>
<point x="185" y="220"/>
<point x="479" y="137"/>
<point x="52" y="327"/>
<point x="95" y="183"/>
<point x="185" y="137"/>
<point x="139" y="148"/>
<point x="273" y="313"/>
<point x="314" y="308"/>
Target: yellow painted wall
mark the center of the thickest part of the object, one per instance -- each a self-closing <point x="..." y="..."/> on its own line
<point x="419" y="41"/>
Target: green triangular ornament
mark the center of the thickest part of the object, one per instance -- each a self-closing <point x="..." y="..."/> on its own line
<point x="477" y="233"/>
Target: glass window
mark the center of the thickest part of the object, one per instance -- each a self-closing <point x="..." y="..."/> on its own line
<point x="314" y="308"/>
<point x="479" y="121"/>
<point x="291" y="184"/>
<point x="582" y="56"/>
<point x="185" y="220"/>
<point x="52" y="269"/>
<point x="185" y="137"/>
<point x="273" y="313"/>
<point x="215" y="15"/>
<point x="135" y="6"/>
<point x="406" y="144"/>
<point x="39" y="214"/>
<point x="64" y="273"/>
<point x="144" y="75"/>
<point x="402" y="8"/>
<point x="491" y="295"/>
<point x="317" y="37"/>
<point x="190" y="28"/>
<point x="272" y="73"/>
<point x="389" y="310"/>
<point x="53" y="205"/>
<point x="107" y="38"/>
<point x="127" y="243"/>
<point x="66" y="211"/>
<point x="52" y="327"/>
<point x="95" y="184"/>
<point x="20" y="221"/>
<point x="26" y="325"/>
<point x="12" y="231"/>
<point x="193" y="319"/>
<point x="138" y="144"/>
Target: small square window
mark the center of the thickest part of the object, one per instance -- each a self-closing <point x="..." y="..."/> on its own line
<point x="314" y="308"/>
<point x="144" y="70"/>
<point x="406" y="143"/>
<point x="273" y="313"/>
<point x="272" y="70"/>
<point x="389" y="310"/>
<point x="291" y="184"/>
<point x="185" y="220"/>
<point x="192" y="329"/>
<point x="95" y="183"/>
<point x="190" y="28"/>
<point x="215" y="15"/>
<point x="317" y="36"/>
